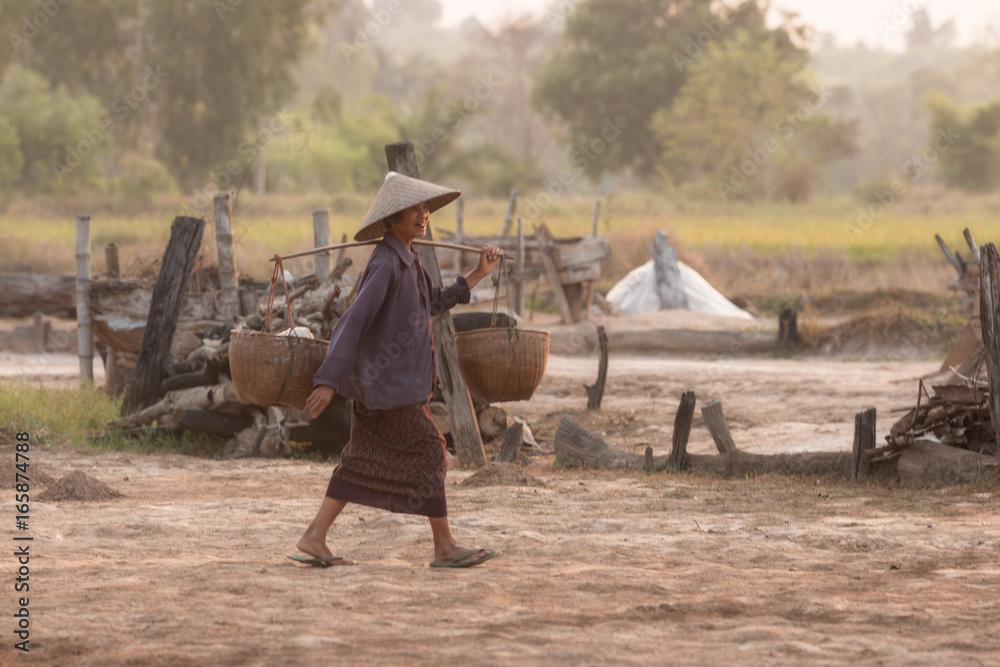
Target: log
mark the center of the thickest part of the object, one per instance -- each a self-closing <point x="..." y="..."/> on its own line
<point x="711" y="412"/>
<point x="989" y="296"/>
<point x="552" y="273"/>
<point x="926" y="461"/>
<point x="595" y="393"/>
<point x="206" y="376"/>
<point x="492" y="421"/>
<point x="575" y="445"/>
<point x="510" y="448"/>
<point x="26" y="293"/>
<point x="84" y="325"/>
<point x="215" y="423"/>
<point x="178" y="261"/>
<point x="864" y="440"/>
<point x="468" y="441"/>
<point x="229" y="295"/>
<point x="321" y="237"/>
<point x="682" y="431"/>
<point x="668" y="275"/>
<point x="220" y="397"/>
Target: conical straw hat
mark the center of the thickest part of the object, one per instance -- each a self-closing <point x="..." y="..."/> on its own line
<point x="398" y="193"/>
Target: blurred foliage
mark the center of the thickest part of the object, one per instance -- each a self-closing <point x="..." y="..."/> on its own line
<point x="52" y="142"/>
<point x="747" y="123"/>
<point x="972" y="161"/>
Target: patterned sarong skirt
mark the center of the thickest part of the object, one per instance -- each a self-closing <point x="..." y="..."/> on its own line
<point x="395" y="460"/>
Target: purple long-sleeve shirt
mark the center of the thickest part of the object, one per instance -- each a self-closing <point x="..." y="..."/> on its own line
<point x="382" y="350"/>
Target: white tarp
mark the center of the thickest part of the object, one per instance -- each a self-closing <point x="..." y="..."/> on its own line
<point x="636" y="293"/>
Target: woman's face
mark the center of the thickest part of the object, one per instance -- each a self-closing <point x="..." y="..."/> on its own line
<point x="412" y="223"/>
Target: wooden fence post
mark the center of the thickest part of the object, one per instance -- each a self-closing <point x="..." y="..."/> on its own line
<point x="989" y="303"/>
<point x="520" y="265"/>
<point x="682" y="431"/>
<point x="597" y="215"/>
<point x="716" y="423"/>
<point x="229" y="296"/>
<point x="111" y="265"/>
<point x="164" y="308"/>
<point x="508" y="218"/>
<point x="465" y="429"/>
<point x="596" y="392"/>
<point x="321" y="239"/>
<point x="85" y="333"/>
<point x="864" y="439"/>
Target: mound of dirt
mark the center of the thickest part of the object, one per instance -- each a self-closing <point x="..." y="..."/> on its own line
<point x="893" y="333"/>
<point x="502" y="474"/>
<point x="37" y="477"/>
<point x="79" y="486"/>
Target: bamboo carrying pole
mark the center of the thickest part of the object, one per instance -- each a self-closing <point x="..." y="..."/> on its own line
<point x="85" y="334"/>
<point x="355" y="244"/>
<point x="229" y="296"/>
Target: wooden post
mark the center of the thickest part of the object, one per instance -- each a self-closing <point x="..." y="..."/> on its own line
<point x="510" y="448"/>
<point x="321" y="239"/>
<point x="40" y="332"/>
<point x="85" y="334"/>
<point x="716" y="422"/>
<point x="229" y="296"/>
<point x="465" y="429"/>
<point x="545" y="246"/>
<point x="682" y="431"/>
<point x="508" y="218"/>
<point x="520" y="265"/>
<point x="864" y="439"/>
<point x="788" y="327"/>
<point x="164" y="308"/>
<point x="989" y="313"/>
<point x="597" y="215"/>
<point x="111" y="266"/>
<point x="596" y="392"/>
<point x="647" y="463"/>
<point x="459" y="230"/>
<point x="340" y="253"/>
<point x="668" y="275"/>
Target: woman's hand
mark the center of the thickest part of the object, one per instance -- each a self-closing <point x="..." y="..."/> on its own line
<point x="319" y="399"/>
<point x="488" y="258"/>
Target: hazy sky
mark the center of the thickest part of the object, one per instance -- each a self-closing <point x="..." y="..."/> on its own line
<point x="850" y="20"/>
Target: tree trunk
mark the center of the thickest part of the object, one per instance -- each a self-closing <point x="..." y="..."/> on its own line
<point x="178" y="261"/>
<point x="465" y="430"/>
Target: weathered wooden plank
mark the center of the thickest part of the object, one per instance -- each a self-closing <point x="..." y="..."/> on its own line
<point x="989" y="296"/>
<point x="711" y="412"/>
<point x="402" y="159"/>
<point x="178" y="261"/>
<point x="552" y="274"/>
<point x="574" y="252"/>
<point x="26" y="293"/>
<point x="864" y="439"/>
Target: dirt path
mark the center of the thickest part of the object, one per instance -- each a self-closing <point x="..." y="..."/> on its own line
<point x="598" y="568"/>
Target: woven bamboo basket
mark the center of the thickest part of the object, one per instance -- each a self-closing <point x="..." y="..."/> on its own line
<point x="274" y="370"/>
<point x="502" y="364"/>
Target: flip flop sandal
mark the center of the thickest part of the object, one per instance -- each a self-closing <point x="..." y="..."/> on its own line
<point x="462" y="562"/>
<point x="321" y="561"/>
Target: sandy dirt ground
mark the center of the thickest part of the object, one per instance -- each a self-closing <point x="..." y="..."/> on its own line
<point x="190" y="567"/>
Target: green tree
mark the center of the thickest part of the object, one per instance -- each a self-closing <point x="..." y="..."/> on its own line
<point x="629" y="59"/>
<point x="748" y="124"/>
<point x="972" y="162"/>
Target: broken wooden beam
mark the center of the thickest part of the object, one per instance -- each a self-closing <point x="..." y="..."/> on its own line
<point x="864" y="440"/>
<point x="402" y="159"/>
<point x="178" y="261"/>
<point x="682" y="431"/>
<point x="595" y="392"/>
<point x="711" y="412"/>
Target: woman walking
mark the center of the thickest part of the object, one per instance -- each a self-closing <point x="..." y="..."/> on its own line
<point x="381" y="356"/>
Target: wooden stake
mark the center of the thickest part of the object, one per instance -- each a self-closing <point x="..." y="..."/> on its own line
<point x="508" y="218"/>
<point x="510" y="448"/>
<point x="459" y="230"/>
<point x="85" y="334"/>
<point x="989" y="312"/>
<point x="229" y="296"/>
<point x="519" y="267"/>
<point x="596" y="392"/>
<point x="321" y="238"/>
<point x="716" y="422"/>
<point x="165" y="306"/>
<point x="111" y="267"/>
<point x="864" y="439"/>
<point x="465" y="429"/>
<point x="682" y="431"/>
<point x="597" y="215"/>
<point x="647" y="463"/>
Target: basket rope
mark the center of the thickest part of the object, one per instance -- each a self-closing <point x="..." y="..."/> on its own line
<point x="280" y="271"/>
